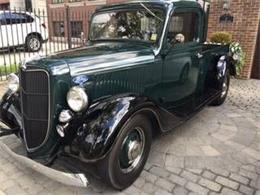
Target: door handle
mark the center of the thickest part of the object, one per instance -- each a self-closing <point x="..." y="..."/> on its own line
<point x="199" y="55"/>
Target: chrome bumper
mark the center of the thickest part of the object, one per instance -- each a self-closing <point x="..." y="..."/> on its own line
<point x="78" y="180"/>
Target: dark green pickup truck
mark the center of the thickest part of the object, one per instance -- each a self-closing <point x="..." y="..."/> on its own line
<point x="145" y="69"/>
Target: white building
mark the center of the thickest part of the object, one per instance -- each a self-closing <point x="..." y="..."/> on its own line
<point x="29" y="5"/>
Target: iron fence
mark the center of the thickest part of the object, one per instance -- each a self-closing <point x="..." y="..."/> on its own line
<point x="25" y="34"/>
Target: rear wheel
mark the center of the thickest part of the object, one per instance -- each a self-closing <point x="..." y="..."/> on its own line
<point x="128" y="156"/>
<point x="224" y="91"/>
<point x="33" y="43"/>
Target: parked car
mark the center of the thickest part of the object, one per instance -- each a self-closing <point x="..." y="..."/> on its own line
<point x="21" y="29"/>
<point x="145" y="70"/>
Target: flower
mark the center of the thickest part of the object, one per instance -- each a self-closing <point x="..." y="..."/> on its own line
<point x="236" y="57"/>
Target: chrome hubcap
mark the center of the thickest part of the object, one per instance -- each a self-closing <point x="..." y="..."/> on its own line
<point x="34" y="44"/>
<point x="132" y="150"/>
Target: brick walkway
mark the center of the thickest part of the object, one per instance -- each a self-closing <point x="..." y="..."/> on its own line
<point x="217" y="152"/>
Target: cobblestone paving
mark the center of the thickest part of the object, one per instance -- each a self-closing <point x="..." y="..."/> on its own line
<point x="216" y="152"/>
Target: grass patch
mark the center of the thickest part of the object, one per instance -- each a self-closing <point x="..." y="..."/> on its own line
<point x="8" y="69"/>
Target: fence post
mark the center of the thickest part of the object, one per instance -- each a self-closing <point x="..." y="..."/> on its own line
<point x="68" y="26"/>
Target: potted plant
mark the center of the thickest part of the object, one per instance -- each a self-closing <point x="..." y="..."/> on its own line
<point x="235" y="49"/>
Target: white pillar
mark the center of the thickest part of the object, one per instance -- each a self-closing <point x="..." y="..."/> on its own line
<point x="39" y="5"/>
<point x="17" y="4"/>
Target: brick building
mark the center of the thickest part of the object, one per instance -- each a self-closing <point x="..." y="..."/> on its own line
<point x="71" y="17"/>
<point x="245" y="28"/>
<point x="245" y="25"/>
<point x="4" y="4"/>
<point x="23" y="4"/>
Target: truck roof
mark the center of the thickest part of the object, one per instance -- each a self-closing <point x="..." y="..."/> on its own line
<point x="189" y="3"/>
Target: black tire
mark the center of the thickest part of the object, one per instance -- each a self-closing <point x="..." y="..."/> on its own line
<point x="111" y="168"/>
<point x="33" y="43"/>
<point x="222" y="97"/>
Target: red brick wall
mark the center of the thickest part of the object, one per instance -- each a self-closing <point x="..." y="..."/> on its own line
<point x="244" y="28"/>
<point x="81" y="12"/>
<point x="4" y="1"/>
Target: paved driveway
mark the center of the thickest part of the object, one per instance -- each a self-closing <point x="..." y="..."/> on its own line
<point x="218" y="151"/>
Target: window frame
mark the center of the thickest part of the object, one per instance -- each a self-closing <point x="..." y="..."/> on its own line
<point x="58" y="1"/>
<point x="59" y="32"/>
<point x="134" y="8"/>
<point x="195" y="10"/>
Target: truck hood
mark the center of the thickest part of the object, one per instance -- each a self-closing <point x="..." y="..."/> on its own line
<point x="98" y="58"/>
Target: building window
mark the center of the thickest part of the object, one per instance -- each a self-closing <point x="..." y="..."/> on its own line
<point x="76" y="28"/>
<point x="71" y="1"/>
<point x="58" y="29"/>
<point x="58" y="1"/>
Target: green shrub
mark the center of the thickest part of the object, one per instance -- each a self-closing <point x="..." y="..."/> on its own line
<point x="221" y="37"/>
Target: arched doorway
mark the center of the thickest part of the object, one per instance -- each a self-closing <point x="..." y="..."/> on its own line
<point x="256" y="65"/>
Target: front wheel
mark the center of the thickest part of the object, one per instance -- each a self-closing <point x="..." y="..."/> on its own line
<point x="128" y="156"/>
<point x="33" y="43"/>
<point x="224" y="91"/>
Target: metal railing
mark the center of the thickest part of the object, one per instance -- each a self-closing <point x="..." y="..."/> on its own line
<point x="25" y="34"/>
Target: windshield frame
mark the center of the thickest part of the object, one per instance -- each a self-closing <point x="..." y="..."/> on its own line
<point x="134" y="7"/>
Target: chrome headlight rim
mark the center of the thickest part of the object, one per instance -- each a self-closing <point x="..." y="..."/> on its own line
<point x="13" y="82"/>
<point x="77" y="99"/>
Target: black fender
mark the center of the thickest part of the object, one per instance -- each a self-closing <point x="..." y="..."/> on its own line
<point x="10" y="111"/>
<point x="103" y="122"/>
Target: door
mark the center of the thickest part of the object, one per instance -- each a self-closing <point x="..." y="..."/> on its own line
<point x="181" y="63"/>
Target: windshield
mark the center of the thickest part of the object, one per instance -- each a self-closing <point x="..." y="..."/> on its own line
<point x="144" y="24"/>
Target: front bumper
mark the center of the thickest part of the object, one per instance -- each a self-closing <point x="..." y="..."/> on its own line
<point x="78" y="180"/>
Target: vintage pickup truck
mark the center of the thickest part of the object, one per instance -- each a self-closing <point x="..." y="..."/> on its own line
<point x="146" y="69"/>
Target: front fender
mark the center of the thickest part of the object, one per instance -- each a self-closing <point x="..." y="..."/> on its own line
<point x="10" y="111"/>
<point x="102" y="125"/>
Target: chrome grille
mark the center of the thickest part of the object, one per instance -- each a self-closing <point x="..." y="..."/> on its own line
<point x="35" y="106"/>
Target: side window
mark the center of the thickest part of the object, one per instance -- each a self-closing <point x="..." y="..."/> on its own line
<point x="29" y="19"/>
<point x="2" y="19"/>
<point x="184" y="28"/>
<point x="20" y="18"/>
<point x="15" y="18"/>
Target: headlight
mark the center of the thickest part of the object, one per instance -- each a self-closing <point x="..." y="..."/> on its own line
<point x="13" y="82"/>
<point x="77" y="99"/>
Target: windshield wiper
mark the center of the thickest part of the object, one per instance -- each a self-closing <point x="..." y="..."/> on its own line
<point x="151" y="12"/>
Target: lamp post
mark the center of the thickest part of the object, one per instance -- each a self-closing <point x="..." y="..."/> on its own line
<point x="226" y="5"/>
